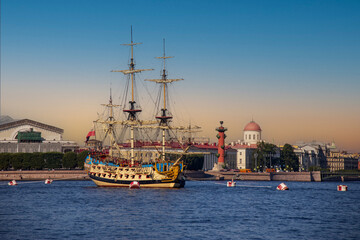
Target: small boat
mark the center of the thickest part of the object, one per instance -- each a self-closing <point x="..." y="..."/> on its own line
<point x="231" y="183"/>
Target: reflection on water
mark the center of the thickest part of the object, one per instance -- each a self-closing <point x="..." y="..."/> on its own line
<point x="201" y="210"/>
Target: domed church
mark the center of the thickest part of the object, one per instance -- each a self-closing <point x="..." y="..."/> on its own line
<point x="252" y="133"/>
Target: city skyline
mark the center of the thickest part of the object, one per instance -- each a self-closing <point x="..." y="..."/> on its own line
<point x="290" y="66"/>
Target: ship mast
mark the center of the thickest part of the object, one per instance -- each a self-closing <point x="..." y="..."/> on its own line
<point x="109" y="124"/>
<point x="165" y="116"/>
<point x="190" y="129"/>
<point x="132" y="111"/>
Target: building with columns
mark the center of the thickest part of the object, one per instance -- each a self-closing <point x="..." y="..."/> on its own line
<point x="243" y="155"/>
<point x="30" y="136"/>
<point x="246" y="146"/>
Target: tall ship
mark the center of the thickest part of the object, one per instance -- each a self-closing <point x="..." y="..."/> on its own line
<point x="122" y="164"/>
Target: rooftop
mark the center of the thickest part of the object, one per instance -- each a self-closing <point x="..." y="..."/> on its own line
<point x="17" y="123"/>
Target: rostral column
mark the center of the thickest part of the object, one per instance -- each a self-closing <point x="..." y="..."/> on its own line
<point x="221" y="145"/>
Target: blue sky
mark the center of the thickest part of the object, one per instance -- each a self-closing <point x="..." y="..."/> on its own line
<point x="292" y="65"/>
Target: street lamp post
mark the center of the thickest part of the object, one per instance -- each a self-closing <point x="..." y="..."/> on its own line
<point x="255" y="155"/>
<point x="269" y="155"/>
<point x="265" y="165"/>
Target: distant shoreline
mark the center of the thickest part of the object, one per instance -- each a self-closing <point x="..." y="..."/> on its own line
<point x="315" y="176"/>
<point x="256" y="176"/>
<point x="26" y="175"/>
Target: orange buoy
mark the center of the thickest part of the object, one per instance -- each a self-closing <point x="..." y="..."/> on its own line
<point x="342" y="188"/>
<point x="282" y="187"/>
<point x="134" y="184"/>
<point x="12" y="183"/>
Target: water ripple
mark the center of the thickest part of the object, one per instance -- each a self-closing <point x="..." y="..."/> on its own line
<point x="202" y="210"/>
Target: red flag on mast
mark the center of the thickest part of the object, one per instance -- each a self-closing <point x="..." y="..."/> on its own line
<point x="91" y="133"/>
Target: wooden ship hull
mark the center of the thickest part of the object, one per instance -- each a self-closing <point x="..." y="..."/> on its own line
<point x="148" y="176"/>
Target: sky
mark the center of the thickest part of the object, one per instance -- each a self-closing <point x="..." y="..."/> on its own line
<point x="291" y="66"/>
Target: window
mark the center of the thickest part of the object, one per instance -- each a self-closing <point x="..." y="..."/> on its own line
<point x="249" y="137"/>
<point x="254" y="136"/>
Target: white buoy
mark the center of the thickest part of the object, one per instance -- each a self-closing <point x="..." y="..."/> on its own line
<point x="231" y="183"/>
<point x="282" y="187"/>
<point x="12" y="183"/>
<point x="134" y="184"/>
<point x="48" y="181"/>
<point x="342" y="188"/>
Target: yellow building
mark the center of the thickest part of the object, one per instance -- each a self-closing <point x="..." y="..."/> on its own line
<point x="341" y="161"/>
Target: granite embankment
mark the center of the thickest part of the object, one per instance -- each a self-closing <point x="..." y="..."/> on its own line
<point x="315" y="176"/>
<point x="43" y="174"/>
<point x="273" y="176"/>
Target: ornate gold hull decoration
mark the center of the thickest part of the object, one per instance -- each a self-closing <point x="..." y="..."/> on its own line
<point x="148" y="177"/>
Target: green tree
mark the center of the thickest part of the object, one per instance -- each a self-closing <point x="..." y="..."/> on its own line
<point x="26" y="158"/>
<point x="289" y="158"/>
<point x="263" y="153"/>
<point x="192" y="162"/>
<point x="322" y="158"/>
<point x="69" y="160"/>
<point x="37" y="161"/>
<point x="53" y="160"/>
<point x="16" y="161"/>
<point x="5" y="161"/>
<point x="81" y="159"/>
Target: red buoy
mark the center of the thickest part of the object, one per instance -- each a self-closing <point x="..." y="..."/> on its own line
<point x="231" y="183"/>
<point x="48" y="181"/>
<point x="134" y="184"/>
<point x="282" y="187"/>
<point x="12" y="183"/>
<point x="342" y="188"/>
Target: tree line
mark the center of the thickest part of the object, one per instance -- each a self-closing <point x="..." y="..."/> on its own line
<point x="193" y="162"/>
<point x="265" y="157"/>
<point x="39" y="161"/>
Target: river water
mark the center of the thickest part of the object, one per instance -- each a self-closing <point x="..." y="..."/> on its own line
<point x="201" y="210"/>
